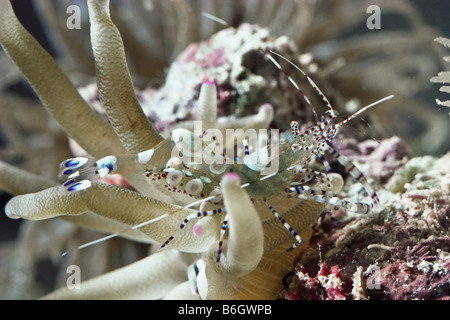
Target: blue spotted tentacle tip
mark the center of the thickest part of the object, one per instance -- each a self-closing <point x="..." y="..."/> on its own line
<point x="74" y="163"/>
<point x="76" y="171"/>
<point x="77" y="186"/>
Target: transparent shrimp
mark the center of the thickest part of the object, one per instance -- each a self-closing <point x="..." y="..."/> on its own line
<point x="193" y="166"/>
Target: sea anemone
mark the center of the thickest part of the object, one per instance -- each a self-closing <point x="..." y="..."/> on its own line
<point x="134" y="133"/>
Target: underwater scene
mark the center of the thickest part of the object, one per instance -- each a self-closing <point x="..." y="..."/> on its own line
<point x="225" y="150"/>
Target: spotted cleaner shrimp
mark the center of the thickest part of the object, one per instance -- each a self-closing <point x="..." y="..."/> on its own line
<point x="192" y="168"/>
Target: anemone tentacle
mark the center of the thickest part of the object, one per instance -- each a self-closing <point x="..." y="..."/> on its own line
<point x="45" y="76"/>
<point x="149" y="278"/>
<point x="114" y="82"/>
<point x="112" y="203"/>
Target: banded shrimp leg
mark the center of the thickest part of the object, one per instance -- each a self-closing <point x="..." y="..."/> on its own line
<point x="80" y="171"/>
<point x="306" y="193"/>
<point x="322" y="134"/>
<point x="352" y="169"/>
<point x="327" y="136"/>
<point x="325" y="131"/>
<point x="215" y="148"/>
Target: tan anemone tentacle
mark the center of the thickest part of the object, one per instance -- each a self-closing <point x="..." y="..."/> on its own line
<point x="243" y="249"/>
<point x="260" y="120"/>
<point x="113" y="204"/>
<point x="17" y="181"/>
<point x="114" y="82"/>
<point x="54" y="89"/>
<point x="207" y="106"/>
<point x="244" y="246"/>
<point x="182" y="292"/>
<point x="150" y="278"/>
<point x="265" y="281"/>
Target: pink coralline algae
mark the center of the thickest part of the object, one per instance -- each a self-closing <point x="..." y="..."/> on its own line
<point x="416" y="280"/>
<point x="325" y="285"/>
<point x="245" y="80"/>
<point x="382" y="158"/>
<point x="243" y="77"/>
<point x="400" y="252"/>
<point x="215" y="58"/>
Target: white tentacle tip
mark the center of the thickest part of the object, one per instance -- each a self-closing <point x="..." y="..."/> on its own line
<point x="74" y="163"/>
<point x="266" y="112"/>
<point x="197" y="229"/>
<point x="82" y="185"/>
<point x="230" y="180"/>
<point x="208" y="83"/>
<point x="10" y="212"/>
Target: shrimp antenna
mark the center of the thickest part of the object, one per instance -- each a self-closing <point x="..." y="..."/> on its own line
<point x="143" y="224"/>
<point x="117" y="234"/>
<point x="324" y="98"/>
<point x="364" y="109"/>
<point x="312" y="83"/>
<point x="216" y="19"/>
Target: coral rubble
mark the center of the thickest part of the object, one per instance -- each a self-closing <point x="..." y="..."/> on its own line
<point x="402" y="251"/>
